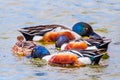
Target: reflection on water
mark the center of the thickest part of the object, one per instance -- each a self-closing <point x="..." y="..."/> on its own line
<point x="101" y="14"/>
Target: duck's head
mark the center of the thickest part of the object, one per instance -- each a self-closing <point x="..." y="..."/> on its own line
<point x="20" y="38"/>
<point x="39" y="52"/>
<point x="61" y="40"/>
<point x="85" y="29"/>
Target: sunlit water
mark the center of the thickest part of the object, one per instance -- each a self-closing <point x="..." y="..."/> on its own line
<point x="101" y="14"/>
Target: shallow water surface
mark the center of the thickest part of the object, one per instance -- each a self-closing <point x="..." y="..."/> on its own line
<point x="103" y="15"/>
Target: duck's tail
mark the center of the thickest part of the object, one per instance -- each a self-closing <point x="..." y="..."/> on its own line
<point x="104" y="45"/>
<point x="94" y="56"/>
<point x="26" y="35"/>
<point x="96" y="59"/>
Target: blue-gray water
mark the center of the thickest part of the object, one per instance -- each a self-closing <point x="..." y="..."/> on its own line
<point x="101" y="14"/>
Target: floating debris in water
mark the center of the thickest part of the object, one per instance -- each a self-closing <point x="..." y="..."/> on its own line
<point x="105" y="56"/>
<point x="39" y="62"/>
<point x="117" y="43"/>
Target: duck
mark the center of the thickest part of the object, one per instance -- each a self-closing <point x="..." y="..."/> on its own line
<point x="67" y="57"/>
<point x="63" y="43"/>
<point x="51" y="32"/>
<point x="84" y="29"/>
<point x="25" y="48"/>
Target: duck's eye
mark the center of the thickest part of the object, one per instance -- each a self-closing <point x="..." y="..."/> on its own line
<point x="86" y="29"/>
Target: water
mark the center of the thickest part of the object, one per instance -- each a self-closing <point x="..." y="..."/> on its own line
<point x="101" y="14"/>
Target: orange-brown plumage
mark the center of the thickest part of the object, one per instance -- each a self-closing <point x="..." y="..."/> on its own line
<point x="64" y="58"/>
<point x="68" y="34"/>
<point x="52" y="36"/>
<point x="76" y="45"/>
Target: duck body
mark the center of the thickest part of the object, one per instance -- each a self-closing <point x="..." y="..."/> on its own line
<point x="30" y="32"/>
<point x="74" y="58"/>
<point x="82" y="45"/>
<point x="63" y="43"/>
<point x="52" y="36"/>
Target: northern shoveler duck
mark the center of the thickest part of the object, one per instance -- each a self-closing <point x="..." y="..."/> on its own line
<point x="51" y="32"/>
<point x="84" y="29"/>
<point x="64" y="43"/>
<point x="71" y="57"/>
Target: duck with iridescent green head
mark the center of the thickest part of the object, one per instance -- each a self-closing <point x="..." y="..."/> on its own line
<point x="84" y="29"/>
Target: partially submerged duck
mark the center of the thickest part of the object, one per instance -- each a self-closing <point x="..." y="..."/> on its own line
<point x="69" y="58"/>
<point x="64" y="43"/>
<point x="84" y="29"/>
